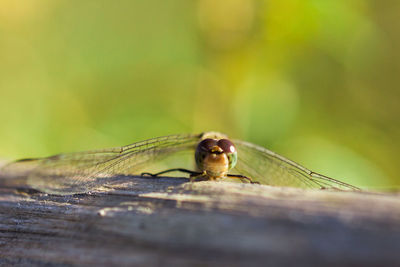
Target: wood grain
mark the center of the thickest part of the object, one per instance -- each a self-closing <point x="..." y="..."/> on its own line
<point x="170" y="221"/>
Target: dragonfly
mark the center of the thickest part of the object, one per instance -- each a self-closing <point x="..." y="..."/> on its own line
<point x="216" y="157"/>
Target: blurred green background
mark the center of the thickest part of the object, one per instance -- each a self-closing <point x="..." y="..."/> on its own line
<point x="316" y="81"/>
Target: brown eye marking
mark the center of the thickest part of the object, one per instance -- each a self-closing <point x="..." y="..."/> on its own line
<point x="207" y="144"/>
<point x="227" y="146"/>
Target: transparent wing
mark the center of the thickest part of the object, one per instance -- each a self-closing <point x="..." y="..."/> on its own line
<point x="267" y="167"/>
<point x="83" y="171"/>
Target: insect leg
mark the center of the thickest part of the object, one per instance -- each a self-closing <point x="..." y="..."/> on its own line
<point x="171" y="170"/>
<point x="242" y="177"/>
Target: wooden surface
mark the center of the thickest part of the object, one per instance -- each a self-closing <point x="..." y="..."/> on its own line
<point x="170" y="221"/>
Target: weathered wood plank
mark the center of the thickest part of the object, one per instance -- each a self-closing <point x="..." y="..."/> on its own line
<point x="172" y="221"/>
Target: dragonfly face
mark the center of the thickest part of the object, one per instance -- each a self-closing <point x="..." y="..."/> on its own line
<point x="215" y="157"/>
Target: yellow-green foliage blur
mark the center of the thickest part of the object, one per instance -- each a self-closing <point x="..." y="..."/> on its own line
<point x="316" y="81"/>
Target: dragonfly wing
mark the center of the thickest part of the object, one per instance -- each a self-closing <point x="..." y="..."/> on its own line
<point x="267" y="167"/>
<point x="83" y="171"/>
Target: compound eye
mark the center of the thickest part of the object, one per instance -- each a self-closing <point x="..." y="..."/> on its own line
<point x="227" y="146"/>
<point x="207" y="144"/>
